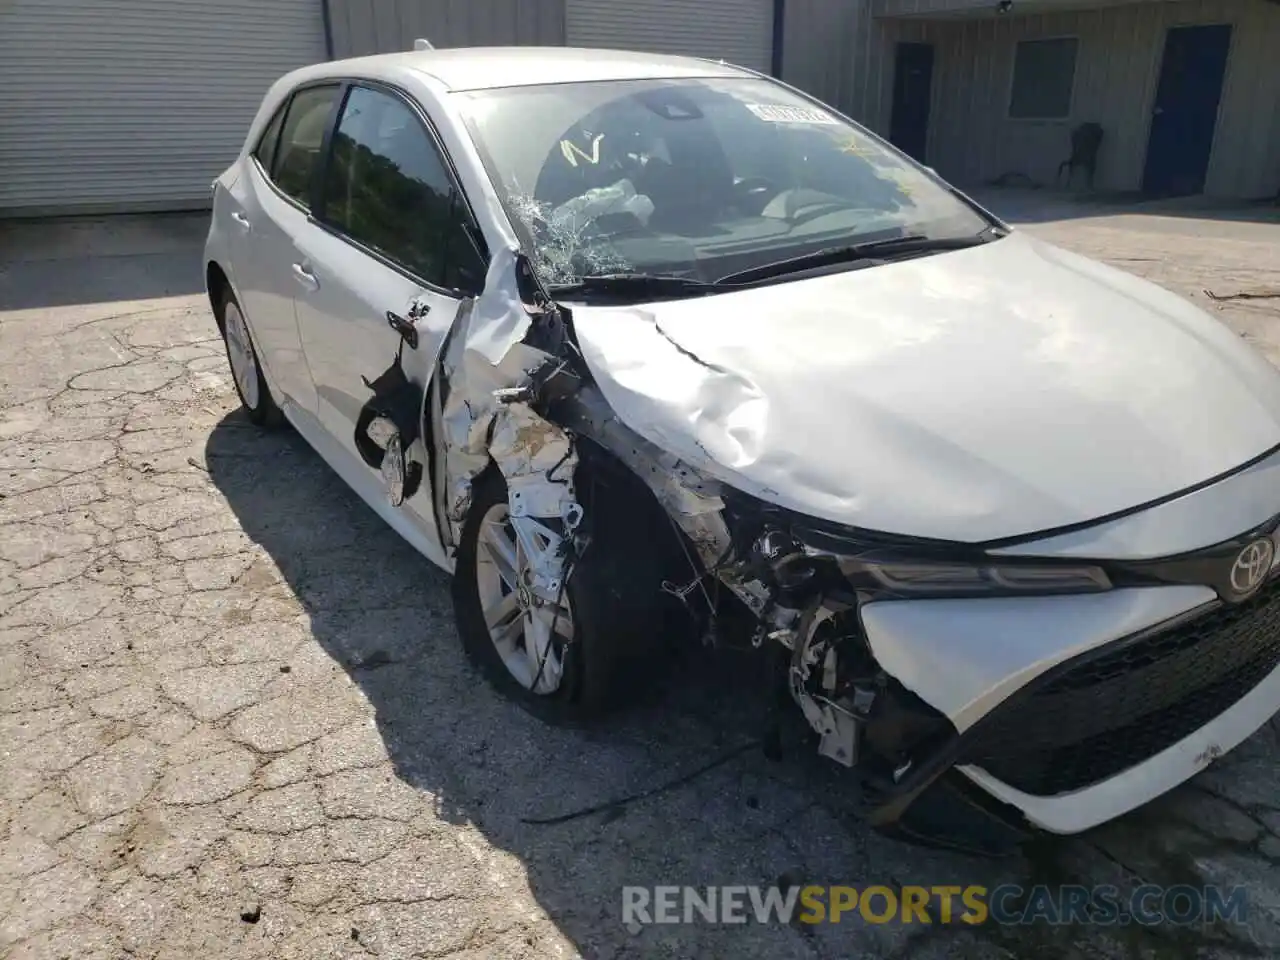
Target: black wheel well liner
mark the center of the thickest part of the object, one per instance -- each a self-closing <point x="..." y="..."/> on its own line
<point x="216" y="283"/>
<point x="605" y="483"/>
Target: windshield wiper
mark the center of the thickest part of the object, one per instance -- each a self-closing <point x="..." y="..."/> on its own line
<point x="633" y="285"/>
<point x="870" y="252"/>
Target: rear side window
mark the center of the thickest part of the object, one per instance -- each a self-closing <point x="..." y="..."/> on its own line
<point x="301" y="140"/>
<point x="389" y="189"/>
<point x="270" y="139"/>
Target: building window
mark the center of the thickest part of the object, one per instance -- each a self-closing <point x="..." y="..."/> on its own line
<point x="1043" y="74"/>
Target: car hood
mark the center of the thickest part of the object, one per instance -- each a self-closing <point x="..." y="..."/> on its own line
<point x="975" y="395"/>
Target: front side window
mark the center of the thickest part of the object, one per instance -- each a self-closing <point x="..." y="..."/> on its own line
<point x="301" y="141"/>
<point x="698" y="178"/>
<point x="388" y="189"/>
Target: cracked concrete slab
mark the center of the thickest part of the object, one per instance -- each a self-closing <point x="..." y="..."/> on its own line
<point x="227" y="689"/>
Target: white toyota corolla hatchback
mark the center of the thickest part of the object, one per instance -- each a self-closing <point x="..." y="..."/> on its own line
<point x="649" y="350"/>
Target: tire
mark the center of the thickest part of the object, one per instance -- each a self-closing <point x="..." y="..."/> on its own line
<point x="616" y="605"/>
<point x="255" y="395"/>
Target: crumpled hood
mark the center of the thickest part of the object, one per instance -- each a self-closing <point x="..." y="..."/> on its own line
<point x="973" y="395"/>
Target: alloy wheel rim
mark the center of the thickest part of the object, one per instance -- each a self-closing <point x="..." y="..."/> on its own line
<point x="244" y="365"/>
<point x="529" y="633"/>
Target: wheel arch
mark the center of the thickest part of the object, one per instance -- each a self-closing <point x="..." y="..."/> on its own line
<point x="216" y="284"/>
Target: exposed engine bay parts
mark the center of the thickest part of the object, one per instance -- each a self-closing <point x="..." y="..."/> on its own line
<point x="511" y="391"/>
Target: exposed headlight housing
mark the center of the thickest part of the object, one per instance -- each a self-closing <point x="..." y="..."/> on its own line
<point x="797" y="554"/>
<point x="933" y="569"/>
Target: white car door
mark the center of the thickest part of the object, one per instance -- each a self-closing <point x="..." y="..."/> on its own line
<point x="392" y="235"/>
<point x="269" y="205"/>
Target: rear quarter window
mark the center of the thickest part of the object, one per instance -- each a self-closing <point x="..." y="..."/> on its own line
<point x="302" y="140"/>
<point x="265" y="151"/>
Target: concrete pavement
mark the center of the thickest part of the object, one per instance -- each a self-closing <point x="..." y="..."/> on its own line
<point x="235" y="720"/>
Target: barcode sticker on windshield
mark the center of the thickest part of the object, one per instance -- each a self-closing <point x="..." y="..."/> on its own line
<point x="775" y="113"/>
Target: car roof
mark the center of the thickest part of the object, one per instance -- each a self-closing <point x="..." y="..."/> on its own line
<point x="482" y="68"/>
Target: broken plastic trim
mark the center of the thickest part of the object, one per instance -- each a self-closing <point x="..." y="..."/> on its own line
<point x="484" y="359"/>
<point x="388" y="424"/>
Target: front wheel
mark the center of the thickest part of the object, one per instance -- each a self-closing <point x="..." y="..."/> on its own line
<point x="566" y="659"/>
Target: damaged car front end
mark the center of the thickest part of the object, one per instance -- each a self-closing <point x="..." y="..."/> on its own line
<point x="1005" y="521"/>
<point x="981" y="691"/>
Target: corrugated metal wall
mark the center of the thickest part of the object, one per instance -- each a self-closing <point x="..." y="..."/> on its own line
<point x="739" y="31"/>
<point x="109" y="105"/>
<point x="831" y="48"/>
<point x="361" y="27"/>
<point x="836" y="50"/>
<point x="971" y="140"/>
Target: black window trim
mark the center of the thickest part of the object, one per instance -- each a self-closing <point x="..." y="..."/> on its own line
<point x="282" y="114"/>
<point x="316" y="214"/>
<point x="285" y="106"/>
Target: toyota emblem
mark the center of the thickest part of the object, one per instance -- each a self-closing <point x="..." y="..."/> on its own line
<point x="1252" y="565"/>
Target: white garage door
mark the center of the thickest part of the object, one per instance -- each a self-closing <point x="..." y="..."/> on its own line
<point x="739" y="31"/>
<point x="136" y="104"/>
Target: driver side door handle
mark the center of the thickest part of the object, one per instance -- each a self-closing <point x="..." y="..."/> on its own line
<point x="305" y="277"/>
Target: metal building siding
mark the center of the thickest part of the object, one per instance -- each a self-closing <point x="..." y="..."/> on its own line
<point x="836" y="50"/>
<point x="1246" y="153"/>
<point x="1117" y="70"/>
<point x="362" y="27"/>
<point x="818" y="41"/>
<point x="738" y="31"/>
<point x="136" y="104"/>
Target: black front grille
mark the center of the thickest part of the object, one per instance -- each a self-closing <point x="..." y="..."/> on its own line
<point x="1104" y="712"/>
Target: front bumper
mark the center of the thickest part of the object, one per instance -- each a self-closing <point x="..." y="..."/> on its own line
<point x="1111" y="709"/>
<point x="1082" y="809"/>
<point x="1070" y="711"/>
<point x="1110" y="730"/>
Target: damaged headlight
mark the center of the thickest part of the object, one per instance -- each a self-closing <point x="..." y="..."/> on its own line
<point x="798" y="557"/>
<point x="951" y="579"/>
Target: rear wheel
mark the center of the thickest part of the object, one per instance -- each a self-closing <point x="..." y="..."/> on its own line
<point x="246" y="371"/>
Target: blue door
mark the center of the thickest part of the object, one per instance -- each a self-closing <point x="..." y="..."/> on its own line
<point x="912" y="89"/>
<point x="1186" y="109"/>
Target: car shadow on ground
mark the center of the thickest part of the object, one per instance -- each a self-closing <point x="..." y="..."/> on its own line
<point x="383" y="613"/>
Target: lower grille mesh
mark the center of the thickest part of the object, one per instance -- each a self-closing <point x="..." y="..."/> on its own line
<point x="1102" y="714"/>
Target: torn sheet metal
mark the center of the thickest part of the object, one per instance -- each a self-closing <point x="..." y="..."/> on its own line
<point x="388" y="426"/>
<point x="484" y="354"/>
<point x="690" y="498"/>
<point x="969" y="396"/>
<point x="497" y="319"/>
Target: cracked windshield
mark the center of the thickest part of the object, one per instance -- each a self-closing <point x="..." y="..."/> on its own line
<point x="697" y="179"/>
